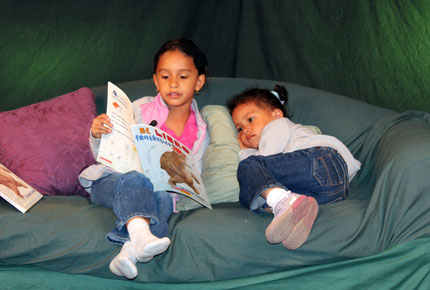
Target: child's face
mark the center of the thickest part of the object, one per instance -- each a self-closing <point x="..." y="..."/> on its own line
<point x="250" y="120"/>
<point x="176" y="78"/>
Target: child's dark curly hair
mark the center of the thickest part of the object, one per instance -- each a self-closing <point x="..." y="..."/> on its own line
<point x="261" y="97"/>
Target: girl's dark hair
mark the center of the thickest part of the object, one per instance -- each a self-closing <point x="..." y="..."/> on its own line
<point x="261" y="97"/>
<point x="187" y="47"/>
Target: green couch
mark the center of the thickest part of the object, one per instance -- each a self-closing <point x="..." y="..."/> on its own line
<point x="378" y="238"/>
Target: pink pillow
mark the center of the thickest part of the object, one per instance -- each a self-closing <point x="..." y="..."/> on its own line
<point x="46" y="143"/>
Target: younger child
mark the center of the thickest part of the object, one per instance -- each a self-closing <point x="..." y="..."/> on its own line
<point x="180" y="69"/>
<point x="285" y="166"/>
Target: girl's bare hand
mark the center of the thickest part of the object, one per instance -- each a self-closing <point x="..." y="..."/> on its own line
<point x="101" y="125"/>
<point x="242" y="146"/>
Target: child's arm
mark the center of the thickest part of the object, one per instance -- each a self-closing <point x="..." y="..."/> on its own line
<point x="101" y="125"/>
<point x="276" y="137"/>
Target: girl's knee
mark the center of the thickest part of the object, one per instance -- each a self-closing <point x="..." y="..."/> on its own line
<point x="131" y="175"/>
<point x="136" y="179"/>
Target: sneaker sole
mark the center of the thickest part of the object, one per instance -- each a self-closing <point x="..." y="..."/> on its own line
<point x="281" y="226"/>
<point x="302" y="229"/>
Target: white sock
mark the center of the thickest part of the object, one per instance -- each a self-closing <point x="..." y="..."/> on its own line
<point x="145" y="244"/>
<point x="277" y="194"/>
<point x="124" y="264"/>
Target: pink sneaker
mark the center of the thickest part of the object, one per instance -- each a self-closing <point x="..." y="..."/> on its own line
<point x="302" y="229"/>
<point x="292" y="222"/>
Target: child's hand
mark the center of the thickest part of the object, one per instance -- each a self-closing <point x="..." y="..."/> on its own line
<point x="101" y="125"/>
<point x="242" y="146"/>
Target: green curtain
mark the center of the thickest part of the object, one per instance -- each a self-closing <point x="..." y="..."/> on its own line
<point x="375" y="51"/>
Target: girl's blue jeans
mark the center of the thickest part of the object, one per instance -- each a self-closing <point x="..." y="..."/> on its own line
<point x="319" y="172"/>
<point x="132" y="195"/>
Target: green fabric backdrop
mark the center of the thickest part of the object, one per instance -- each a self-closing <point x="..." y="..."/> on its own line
<point x="376" y="51"/>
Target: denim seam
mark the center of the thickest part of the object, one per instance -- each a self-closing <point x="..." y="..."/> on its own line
<point x="323" y="160"/>
<point x="118" y="201"/>
<point x="264" y="188"/>
<point x="345" y="174"/>
<point x="331" y="193"/>
<point x="119" y="240"/>
<point x="344" y="168"/>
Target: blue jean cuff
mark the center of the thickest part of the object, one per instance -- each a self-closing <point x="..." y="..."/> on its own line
<point x="258" y="204"/>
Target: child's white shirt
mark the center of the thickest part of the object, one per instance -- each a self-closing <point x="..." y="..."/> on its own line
<point x="295" y="137"/>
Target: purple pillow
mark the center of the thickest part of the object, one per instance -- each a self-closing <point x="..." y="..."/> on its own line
<point x="46" y="144"/>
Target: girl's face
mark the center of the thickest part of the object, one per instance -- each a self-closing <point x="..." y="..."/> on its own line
<point x="176" y="78"/>
<point x="250" y="120"/>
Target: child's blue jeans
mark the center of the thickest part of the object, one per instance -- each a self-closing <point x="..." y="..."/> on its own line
<point x="130" y="195"/>
<point x="319" y="172"/>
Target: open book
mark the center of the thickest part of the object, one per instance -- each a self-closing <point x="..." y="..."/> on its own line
<point x="165" y="161"/>
<point x="16" y="191"/>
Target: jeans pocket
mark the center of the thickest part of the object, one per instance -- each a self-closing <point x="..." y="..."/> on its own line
<point x="327" y="171"/>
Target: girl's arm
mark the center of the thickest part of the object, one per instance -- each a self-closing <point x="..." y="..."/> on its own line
<point x="100" y="125"/>
<point x="275" y="137"/>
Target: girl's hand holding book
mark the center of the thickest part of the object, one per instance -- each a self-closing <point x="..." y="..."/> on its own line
<point x="101" y="125"/>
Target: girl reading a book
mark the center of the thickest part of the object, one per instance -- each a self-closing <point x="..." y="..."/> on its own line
<point x="180" y="69"/>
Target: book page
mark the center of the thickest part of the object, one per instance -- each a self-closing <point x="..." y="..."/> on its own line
<point x="16" y="191"/>
<point x="117" y="149"/>
<point x="168" y="164"/>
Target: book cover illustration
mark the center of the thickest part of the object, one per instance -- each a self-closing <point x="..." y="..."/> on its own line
<point x="16" y="191"/>
<point x="168" y="164"/>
